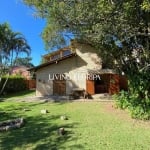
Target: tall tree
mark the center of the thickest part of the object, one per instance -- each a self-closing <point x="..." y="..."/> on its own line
<point x="11" y="45"/>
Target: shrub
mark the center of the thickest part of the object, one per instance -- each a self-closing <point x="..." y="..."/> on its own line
<point x="122" y="100"/>
<point x="139" y="112"/>
<point x="138" y="108"/>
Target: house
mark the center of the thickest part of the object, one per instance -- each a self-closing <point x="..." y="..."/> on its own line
<point x="25" y="73"/>
<point x="20" y="70"/>
<point x="76" y="67"/>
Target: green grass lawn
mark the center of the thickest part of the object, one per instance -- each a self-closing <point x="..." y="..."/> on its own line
<point x="14" y="96"/>
<point x="89" y="127"/>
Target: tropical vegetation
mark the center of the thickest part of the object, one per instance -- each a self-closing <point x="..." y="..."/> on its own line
<point x="11" y="45"/>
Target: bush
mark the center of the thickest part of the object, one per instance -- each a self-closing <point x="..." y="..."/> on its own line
<point x="14" y="84"/>
<point x="122" y="100"/>
<point x="139" y="112"/>
<point x="138" y="108"/>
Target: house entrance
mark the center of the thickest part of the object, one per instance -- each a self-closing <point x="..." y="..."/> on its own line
<point x="108" y="83"/>
<point x="98" y="85"/>
<point x="59" y="85"/>
<point x="101" y="85"/>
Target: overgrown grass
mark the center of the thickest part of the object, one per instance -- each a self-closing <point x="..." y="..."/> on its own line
<point x="89" y="127"/>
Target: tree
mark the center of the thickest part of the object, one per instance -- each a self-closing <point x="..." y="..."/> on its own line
<point x="11" y="45"/>
<point x="23" y="62"/>
<point x="119" y="30"/>
<point x="92" y="21"/>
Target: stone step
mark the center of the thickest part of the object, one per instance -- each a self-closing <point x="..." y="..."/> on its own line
<point x="102" y="96"/>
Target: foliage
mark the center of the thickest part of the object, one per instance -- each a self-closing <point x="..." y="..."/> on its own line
<point x="42" y="60"/>
<point x="23" y="62"/>
<point x="94" y="22"/>
<point x="14" y="84"/>
<point x="11" y="45"/>
<point x="138" y="108"/>
<point x="146" y="5"/>
<point x="122" y="99"/>
<point x="89" y="126"/>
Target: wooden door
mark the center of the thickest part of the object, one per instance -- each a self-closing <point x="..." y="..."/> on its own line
<point x="59" y="85"/>
<point x="90" y="88"/>
<point x="114" y="84"/>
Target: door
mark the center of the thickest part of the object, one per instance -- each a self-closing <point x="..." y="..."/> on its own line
<point x="59" y="86"/>
<point x="114" y="84"/>
<point x="90" y="88"/>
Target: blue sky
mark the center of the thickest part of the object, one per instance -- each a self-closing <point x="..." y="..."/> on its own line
<point x="21" y="19"/>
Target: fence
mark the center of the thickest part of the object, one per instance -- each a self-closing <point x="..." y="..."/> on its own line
<point x="31" y="84"/>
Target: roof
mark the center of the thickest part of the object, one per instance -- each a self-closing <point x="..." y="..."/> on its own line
<point x="56" y="52"/>
<point x="102" y="71"/>
<point x="19" y="67"/>
<point x="52" y="62"/>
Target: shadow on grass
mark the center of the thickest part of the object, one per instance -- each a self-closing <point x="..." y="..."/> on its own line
<point x="14" y="110"/>
<point x="39" y="133"/>
<point x="18" y="94"/>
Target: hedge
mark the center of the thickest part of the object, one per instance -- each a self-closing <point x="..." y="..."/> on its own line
<point x="14" y="84"/>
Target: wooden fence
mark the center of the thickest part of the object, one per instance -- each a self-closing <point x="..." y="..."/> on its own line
<point x="31" y="84"/>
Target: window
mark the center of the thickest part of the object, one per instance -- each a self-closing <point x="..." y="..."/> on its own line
<point x="66" y="52"/>
<point x="55" y="57"/>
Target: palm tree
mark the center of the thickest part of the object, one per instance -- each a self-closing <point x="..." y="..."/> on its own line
<point x="3" y="34"/>
<point x="18" y="44"/>
<point x="11" y="45"/>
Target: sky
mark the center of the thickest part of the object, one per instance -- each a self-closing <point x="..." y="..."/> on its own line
<point x="21" y="19"/>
